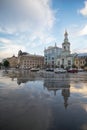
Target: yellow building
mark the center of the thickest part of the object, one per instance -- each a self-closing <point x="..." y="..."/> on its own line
<point x="26" y="60"/>
<point x="13" y="61"/>
<point x="80" y="60"/>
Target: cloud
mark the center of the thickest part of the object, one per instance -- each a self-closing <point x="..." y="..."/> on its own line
<point x="5" y="41"/>
<point x="78" y="30"/>
<point x="27" y="22"/>
<point x="84" y="10"/>
<point x="82" y="89"/>
<point x="83" y="31"/>
<point x="79" y="44"/>
<point x="9" y="47"/>
<point x="27" y="15"/>
<point x="83" y="50"/>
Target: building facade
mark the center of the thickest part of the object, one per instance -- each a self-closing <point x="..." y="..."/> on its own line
<point x="80" y="60"/>
<point x="65" y="59"/>
<point x="26" y="60"/>
<point x="50" y="55"/>
<point x="13" y="61"/>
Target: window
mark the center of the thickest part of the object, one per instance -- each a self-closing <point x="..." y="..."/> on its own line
<point x="52" y="62"/>
<point x="80" y="62"/>
<point x="76" y="62"/>
<point x="69" y="62"/>
<point x="52" y="58"/>
<point x="64" y="47"/>
<point x="62" y="61"/>
<point x="58" y="62"/>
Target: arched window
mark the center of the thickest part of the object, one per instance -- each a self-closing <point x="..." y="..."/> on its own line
<point x="64" y="47"/>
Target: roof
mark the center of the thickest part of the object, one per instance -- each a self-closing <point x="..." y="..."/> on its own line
<point x="65" y="43"/>
<point x="82" y="54"/>
<point x="24" y="53"/>
<point x="33" y="55"/>
<point x="52" y="48"/>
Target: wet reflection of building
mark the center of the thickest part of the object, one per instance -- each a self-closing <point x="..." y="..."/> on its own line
<point x="66" y="95"/>
<point x="55" y="85"/>
<point x="26" y="76"/>
<point x="23" y="76"/>
<point x="51" y="85"/>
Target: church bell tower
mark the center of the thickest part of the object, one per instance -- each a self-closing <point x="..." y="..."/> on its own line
<point x="66" y="45"/>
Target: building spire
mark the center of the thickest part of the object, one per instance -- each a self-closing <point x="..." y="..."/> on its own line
<point x="55" y="44"/>
<point x="66" y="36"/>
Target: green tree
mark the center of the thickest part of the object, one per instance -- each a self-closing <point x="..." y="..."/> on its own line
<point x="62" y="66"/>
<point x="74" y="66"/>
<point x="86" y="62"/>
<point x="0" y="65"/>
<point x="6" y="63"/>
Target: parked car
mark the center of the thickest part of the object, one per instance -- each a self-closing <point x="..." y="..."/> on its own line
<point x="72" y="70"/>
<point x="50" y="69"/>
<point x="60" y="70"/>
<point x="34" y="69"/>
<point x="80" y="70"/>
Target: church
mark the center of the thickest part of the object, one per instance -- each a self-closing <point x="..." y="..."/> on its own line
<point x="65" y="59"/>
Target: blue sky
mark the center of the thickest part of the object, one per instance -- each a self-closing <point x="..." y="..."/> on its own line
<point x="32" y="25"/>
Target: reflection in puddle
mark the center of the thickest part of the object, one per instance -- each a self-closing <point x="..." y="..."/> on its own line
<point x="43" y="101"/>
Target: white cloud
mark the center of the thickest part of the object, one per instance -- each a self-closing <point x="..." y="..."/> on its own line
<point x="83" y="31"/>
<point x="84" y="10"/>
<point x="5" y="41"/>
<point x="78" y="30"/>
<point x="82" y="89"/>
<point x="38" y="11"/>
<point x="9" y="47"/>
<point x="28" y="22"/>
<point x="83" y="50"/>
<point x="27" y="15"/>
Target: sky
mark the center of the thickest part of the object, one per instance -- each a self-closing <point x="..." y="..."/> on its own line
<point x="32" y="25"/>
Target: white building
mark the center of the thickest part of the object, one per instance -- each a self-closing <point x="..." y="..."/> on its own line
<point x="65" y="59"/>
<point x="51" y="54"/>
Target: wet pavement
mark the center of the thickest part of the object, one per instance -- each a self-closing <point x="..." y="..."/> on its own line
<point x="43" y="101"/>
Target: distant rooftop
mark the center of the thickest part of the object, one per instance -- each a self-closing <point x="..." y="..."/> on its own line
<point x="32" y="55"/>
<point x="25" y="53"/>
<point x="52" y="47"/>
<point x="82" y="54"/>
<point x="20" y="53"/>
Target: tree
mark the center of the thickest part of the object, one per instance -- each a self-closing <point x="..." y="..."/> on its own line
<point x="0" y="65"/>
<point x="68" y="67"/>
<point x="62" y="66"/>
<point x="74" y="66"/>
<point x="85" y="62"/>
<point x="6" y="63"/>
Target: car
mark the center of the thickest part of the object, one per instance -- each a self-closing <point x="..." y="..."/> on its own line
<point x="34" y="69"/>
<point x="72" y="70"/>
<point x="50" y="69"/>
<point x="60" y="70"/>
<point x="80" y="70"/>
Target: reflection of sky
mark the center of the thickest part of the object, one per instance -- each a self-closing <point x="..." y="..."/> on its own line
<point x="80" y="89"/>
<point x="7" y="83"/>
<point x="32" y="106"/>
